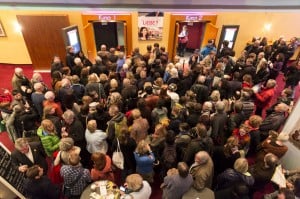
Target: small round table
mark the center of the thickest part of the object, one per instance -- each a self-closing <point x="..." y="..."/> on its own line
<point x="103" y="189"/>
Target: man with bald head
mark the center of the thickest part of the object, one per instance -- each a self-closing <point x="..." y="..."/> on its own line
<point x="274" y="121"/>
<point x="21" y="83"/>
<point x="202" y="171"/>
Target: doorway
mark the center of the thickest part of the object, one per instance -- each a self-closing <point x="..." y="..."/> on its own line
<point x="195" y="34"/>
<point x="112" y="34"/>
<point x="209" y="30"/>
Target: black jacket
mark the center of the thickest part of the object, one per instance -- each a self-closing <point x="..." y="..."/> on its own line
<point x="41" y="188"/>
<point x="39" y="157"/>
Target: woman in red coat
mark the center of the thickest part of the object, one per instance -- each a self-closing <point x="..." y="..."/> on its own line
<point x="264" y="97"/>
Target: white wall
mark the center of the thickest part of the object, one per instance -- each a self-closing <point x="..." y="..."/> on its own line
<point x="291" y="160"/>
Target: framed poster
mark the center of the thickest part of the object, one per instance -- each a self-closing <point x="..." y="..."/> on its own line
<point x="150" y="25"/>
<point x="71" y="37"/>
<point x="229" y="33"/>
<point x="2" y="31"/>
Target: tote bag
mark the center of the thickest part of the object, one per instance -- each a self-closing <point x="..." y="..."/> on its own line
<point x="118" y="158"/>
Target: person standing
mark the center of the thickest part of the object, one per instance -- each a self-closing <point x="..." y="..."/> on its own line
<point x="75" y="175"/>
<point x="183" y="40"/>
<point x="37" y="185"/>
<point x="174" y="186"/>
<point x="202" y="171"/>
<point x="28" y="154"/>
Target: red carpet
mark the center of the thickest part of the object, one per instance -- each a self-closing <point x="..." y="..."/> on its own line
<point x="7" y="72"/>
<point x="4" y="139"/>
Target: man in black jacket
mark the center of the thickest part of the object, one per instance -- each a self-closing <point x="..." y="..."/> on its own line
<point x="38" y="186"/>
<point x="28" y="154"/>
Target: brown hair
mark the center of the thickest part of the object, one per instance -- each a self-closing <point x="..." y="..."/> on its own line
<point x="99" y="160"/>
<point x="255" y="121"/>
<point x="48" y="126"/>
<point x="74" y="158"/>
<point x="33" y="171"/>
<point x="231" y="143"/>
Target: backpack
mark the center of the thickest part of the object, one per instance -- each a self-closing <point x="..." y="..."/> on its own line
<point x="119" y="126"/>
<point x="159" y="114"/>
<point x="169" y="156"/>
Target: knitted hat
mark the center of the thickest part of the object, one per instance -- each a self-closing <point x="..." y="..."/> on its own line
<point x="66" y="144"/>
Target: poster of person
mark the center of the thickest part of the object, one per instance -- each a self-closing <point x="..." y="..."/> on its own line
<point x="150" y="25"/>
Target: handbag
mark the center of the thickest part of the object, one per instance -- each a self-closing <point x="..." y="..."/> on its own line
<point x="184" y="39"/>
<point x="67" y="187"/>
<point x="117" y="157"/>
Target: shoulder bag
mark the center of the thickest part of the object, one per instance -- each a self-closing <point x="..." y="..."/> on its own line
<point x="118" y="158"/>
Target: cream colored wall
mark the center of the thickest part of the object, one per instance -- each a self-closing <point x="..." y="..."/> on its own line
<point x="252" y="24"/>
<point x="13" y="48"/>
<point x="143" y="44"/>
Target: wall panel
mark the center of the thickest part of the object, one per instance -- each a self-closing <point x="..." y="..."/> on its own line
<point x="43" y="37"/>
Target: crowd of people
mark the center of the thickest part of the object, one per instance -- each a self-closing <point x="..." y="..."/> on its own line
<point x="208" y="128"/>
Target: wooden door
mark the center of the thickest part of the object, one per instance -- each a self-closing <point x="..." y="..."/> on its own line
<point x="210" y="32"/>
<point x="43" y="38"/>
<point x="175" y="41"/>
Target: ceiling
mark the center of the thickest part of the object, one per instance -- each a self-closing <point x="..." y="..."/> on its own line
<point x="160" y="5"/>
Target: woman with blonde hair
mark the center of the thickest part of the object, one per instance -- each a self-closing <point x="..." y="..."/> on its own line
<point x="114" y="85"/>
<point x="61" y="157"/>
<point x="224" y="157"/>
<point x="136" y="187"/>
<point x="95" y="138"/>
<point x="48" y="137"/>
<point x="238" y="174"/>
<point x="144" y="158"/>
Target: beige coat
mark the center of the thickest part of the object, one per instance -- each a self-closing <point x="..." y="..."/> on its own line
<point x="203" y="175"/>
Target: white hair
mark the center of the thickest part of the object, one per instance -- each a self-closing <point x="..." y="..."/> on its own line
<point x="38" y="86"/>
<point x="18" y="70"/>
<point x="49" y="95"/>
<point x="174" y="72"/>
<point x="65" y="82"/>
<point x="125" y="66"/>
<point x="201" y="79"/>
<point x="77" y="61"/>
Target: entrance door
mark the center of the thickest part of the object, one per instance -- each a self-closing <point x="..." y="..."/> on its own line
<point x="112" y="34"/>
<point x="211" y="32"/>
<point x="195" y="34"/>
<point x="105" y="33"/>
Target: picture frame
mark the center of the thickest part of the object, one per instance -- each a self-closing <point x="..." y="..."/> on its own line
<point x="2" y="31"/>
